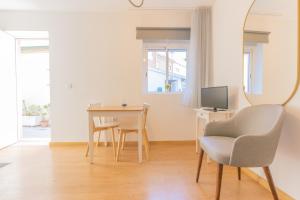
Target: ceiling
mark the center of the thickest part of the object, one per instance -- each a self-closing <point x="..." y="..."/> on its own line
<point x="97" y="5"/>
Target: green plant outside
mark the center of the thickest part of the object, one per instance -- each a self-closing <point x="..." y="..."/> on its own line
<point x="35" y="110"/>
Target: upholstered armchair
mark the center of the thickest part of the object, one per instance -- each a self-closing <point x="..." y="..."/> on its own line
<point x="249" y="139"/>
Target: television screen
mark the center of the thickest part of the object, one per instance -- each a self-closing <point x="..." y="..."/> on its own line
<point x="214" y="97"/>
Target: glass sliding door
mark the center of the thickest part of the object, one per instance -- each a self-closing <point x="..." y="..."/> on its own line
<point x="8" y="89"/>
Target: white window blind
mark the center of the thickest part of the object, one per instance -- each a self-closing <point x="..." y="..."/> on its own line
<point x="160" y="33"/>
<point x="256" y="36"/>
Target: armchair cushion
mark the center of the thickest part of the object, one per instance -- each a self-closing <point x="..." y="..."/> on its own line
<point x="218" y="148"/>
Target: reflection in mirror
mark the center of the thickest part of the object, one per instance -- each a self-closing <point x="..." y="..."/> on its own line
<point x="270" y="51"/>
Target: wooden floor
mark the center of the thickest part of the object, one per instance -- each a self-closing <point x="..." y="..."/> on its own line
<point x="63" y="173"/>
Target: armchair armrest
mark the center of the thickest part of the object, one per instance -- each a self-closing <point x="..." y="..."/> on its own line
<point x="253" y="150"/>
<point x="220" y="128"/>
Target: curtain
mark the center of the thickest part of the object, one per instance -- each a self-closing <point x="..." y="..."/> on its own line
<point x="199" y="58"/>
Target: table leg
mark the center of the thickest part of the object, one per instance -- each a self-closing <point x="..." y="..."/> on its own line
<point x="140" y="138"/>
<point x="91" y="137"/>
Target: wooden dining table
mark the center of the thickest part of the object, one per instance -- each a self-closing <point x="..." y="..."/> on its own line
<point x="115" y="111"/>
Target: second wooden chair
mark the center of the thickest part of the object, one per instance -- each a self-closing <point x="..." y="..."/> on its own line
<point x="124" y="131"/>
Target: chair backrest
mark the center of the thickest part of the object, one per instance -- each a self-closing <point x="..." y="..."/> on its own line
<point x="259" y="119"/>
<point x="99" y="120"/>
<point x="146" y="109"/>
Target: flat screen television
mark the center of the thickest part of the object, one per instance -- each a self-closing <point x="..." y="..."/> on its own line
<point x="214" y="98"/>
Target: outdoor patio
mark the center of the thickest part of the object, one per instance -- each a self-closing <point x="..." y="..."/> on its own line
<point x="36" y="132"/>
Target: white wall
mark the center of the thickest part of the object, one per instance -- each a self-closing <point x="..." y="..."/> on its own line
<point x="228" y="21"/>
<point x="98" y="54"/>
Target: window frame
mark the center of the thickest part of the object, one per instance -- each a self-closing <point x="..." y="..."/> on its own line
<point x="249" y="51"/>
<point x="165" y="46"/>
<point x="252" y="49"/>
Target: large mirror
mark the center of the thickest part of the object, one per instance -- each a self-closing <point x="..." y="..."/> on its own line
<point x="270" y="74"/>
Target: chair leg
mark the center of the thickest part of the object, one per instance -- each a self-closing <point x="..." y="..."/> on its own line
<point x="271" y="182"/>
<point x="119" y="144"/>
<point x="123" y="140"/>
<point x="146" y="145"/>
<point x="199" y="164"/>
<point x="239" y="173"/>
<point x="113" y="142"/>
<point x="147" y="139"/>
<point x="219" y="181"/>
<point x="87" y="150"/>
<point x="105" y="138"/>
<point x="99" y="136"/>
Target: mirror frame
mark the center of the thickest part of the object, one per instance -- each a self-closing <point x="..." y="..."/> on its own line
<point x="296" y="86"/>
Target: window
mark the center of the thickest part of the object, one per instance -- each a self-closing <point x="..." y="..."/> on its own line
<point x="247" y="71"/>
<point x="253" y="69"/>
<point x="166" y="67"/>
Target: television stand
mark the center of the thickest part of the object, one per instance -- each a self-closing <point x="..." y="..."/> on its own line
<point x="211" y="109"/>
<point x="214" y="109"/>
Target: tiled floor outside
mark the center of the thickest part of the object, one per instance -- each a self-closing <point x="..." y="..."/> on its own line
<point x="36" y="132"/>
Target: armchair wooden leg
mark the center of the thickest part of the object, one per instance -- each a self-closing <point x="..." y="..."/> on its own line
<point x="271" y="182"/>
<point x="199" y="164"/>
<point x="239" y="173"/>
<point x="219" y="181"/>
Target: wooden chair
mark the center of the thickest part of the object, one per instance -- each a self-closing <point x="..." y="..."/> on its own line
<point x="102" y="124"/>
<point x="124" y="131"/>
